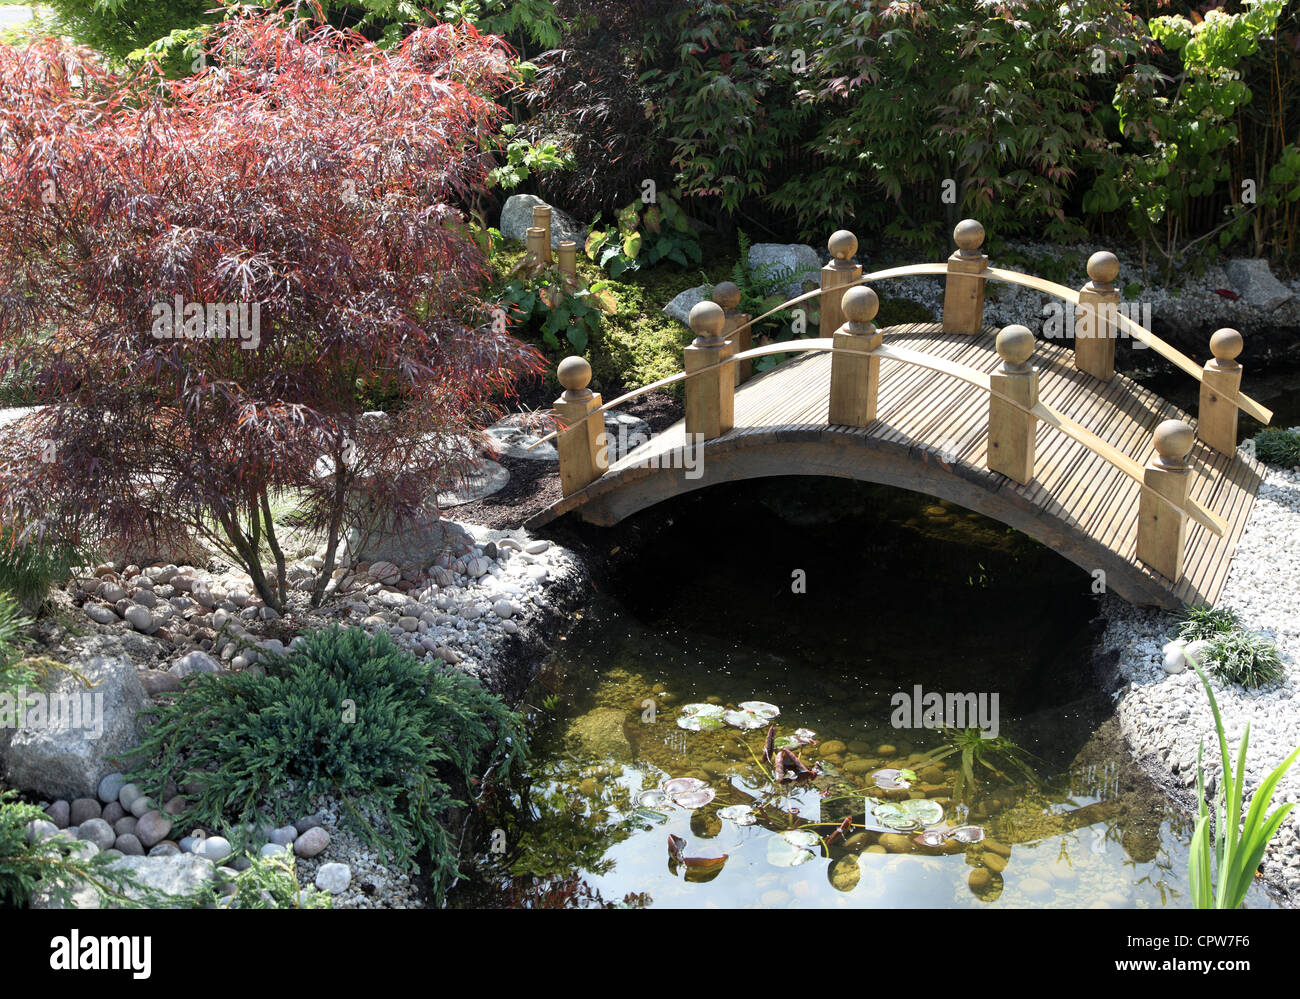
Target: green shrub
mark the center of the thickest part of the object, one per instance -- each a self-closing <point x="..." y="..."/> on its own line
<point x="1278" y="447"/>
<point x="346" y="714"/>
<point x="1244" y="658"/>
<point x="1205" y="623"/>
<point x="271" y="883"/>
<point x="29" y="567"/>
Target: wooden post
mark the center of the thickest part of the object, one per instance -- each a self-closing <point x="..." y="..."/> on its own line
<point x="1011" y="429"/>
<point x="568" y="257"/>
<point x="727" y="295"/>
<point x="855" y="373"/>
<point x="1220" y="386"/>
<point x="537" y="247"/>
<point x="542" y="220"/>
<point x="581" y="445"/>
<point x="1162" y="530"/>
<point x="839" y="272"/>
<point x="710" y="397"/>
<point x="963" y="293"/>
<point x="1095" y="327"/>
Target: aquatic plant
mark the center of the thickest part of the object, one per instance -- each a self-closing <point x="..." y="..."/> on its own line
<point x="998" y="755"/>
<point x="1238" y="846"/>
<point x="1205" y="623"/>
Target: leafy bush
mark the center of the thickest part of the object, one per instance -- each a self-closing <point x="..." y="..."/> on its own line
<point x="1238" y="847"/>
<point x="329" y="206"/>
<point x="31" y="565"/>
<point x="645" y="235"/>
<point x="1244" y="658"/>
<point x="12" y="623"/>
<point x="346" y="714"/>
<point x="56" y="865"/>
<point x="1278" y="447"/>
<point x="1205" y="623"/>
<point x="270" y="883"/>
<point x="543" y="296"/>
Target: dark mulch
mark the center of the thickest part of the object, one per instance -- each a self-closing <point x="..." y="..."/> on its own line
<point x="535" y="485"/>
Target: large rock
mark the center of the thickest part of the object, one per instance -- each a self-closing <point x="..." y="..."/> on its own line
<point x="1255" y="283"/>
<point x="67" y="762"/>
<point x="601" y="733"/>
<point x="680" y="307"/>
<point x="797" y="261"/>
<point x="178" y="876"/>
<point x="517" y="219"/>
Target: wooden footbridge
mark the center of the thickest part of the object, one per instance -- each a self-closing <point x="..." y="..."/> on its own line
<point x="1044" y="437"/>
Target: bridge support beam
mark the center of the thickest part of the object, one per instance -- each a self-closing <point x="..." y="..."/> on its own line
<point x="727" y="295"/>
<point x="1011" y="429"/>
<point x="963" y="293"/>
<point x="711" y="396"/>
<point x="855" y="371"/>
<point x="1095" y="325"/>
<point x="584" y="457"/>
<point x="1162" y="530"/>
<point x="839" y="272"/>
<point x="1220" y="387"/>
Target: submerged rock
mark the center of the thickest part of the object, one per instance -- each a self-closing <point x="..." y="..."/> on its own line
<point x="601" y="733"/>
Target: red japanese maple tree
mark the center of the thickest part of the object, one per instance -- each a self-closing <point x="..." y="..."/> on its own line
<point x="212" y="276"/>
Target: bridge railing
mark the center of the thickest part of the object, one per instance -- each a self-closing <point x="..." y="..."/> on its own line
<point x="720" y="358"/>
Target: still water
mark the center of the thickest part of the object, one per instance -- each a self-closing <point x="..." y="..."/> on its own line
<point x="743" y="600"/>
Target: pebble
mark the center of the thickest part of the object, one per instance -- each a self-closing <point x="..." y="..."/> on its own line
<point x="334" y="878"/>
<point x="97" y="831"/>
<point x="312" y="842"/>
<point x="110" y="787"/>
<point x="215" y="848"/>
<point x="83" y="809"/>
<point x="153" y="828"/>
<point x="125" y="825"/>
<point x="129" y="846"/>
<point x="59" y="813"/>
<point x="165" y="849"/>
<point x="283" y="836"/>
<point x="141" y="619"/>
<point x="101" y="614"/>
<point x="141" y="805"/>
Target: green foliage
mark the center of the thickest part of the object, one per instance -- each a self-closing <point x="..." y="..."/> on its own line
<point x="645" y="235"/>
<point x="1278" y="447"/>
<point x="525" y="160"/>
<point x="347" y="714"/>
<point x="543" y="297"/>
<point x="12" y="623"/>
<point x="999" y="755"/>
<point x="31" y="564"/>
<point x="1238" y="848"/>
<point x="1245" y="658"/>
<point x="270" y="883"/>
<point x="119" y="28"/>
<point x="57" y="865"/>
<point x="1207" y="623"/>
<point x="763" y="289"/>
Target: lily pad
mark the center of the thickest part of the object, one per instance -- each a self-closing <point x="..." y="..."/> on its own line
<point x="906" y="815"/>
<point x="700" y="717"/>
<point x="893" y="780"/>
<point x="931" y="838"/>
<point x="752" y="714"/>
<point x="680" y="785"/>
<point x="968" y="834"/>
<point x="742" y="815"/>
<point x="801" y="737"/>
<point x="694" y="799"/>
<point x="651" y="799"/>
<point x="792" y="848"/>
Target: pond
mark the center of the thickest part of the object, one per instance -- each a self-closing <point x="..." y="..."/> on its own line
<point x="844" y="623"/>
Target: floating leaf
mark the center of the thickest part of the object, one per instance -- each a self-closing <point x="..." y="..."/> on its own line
<point x="893" y="780"/>
<point x="801" y="737"/>
<point x="752" y="714"/>
<point x="968" y="834"/>
<point x="649" y="816"/>
<point x="697" y="868"/>
<point x="700" y="717"/>
<point x="905" y="815"/>
<point x="694" y="799"/>
<point x="742" y="815"/>
<point x="792" y="848"/>
<point x="651" y="799"/>
<point x="932" y="838"/>
<point x="680" y="785"/>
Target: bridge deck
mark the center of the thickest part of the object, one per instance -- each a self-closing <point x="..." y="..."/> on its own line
<point x="1077" y="502"/>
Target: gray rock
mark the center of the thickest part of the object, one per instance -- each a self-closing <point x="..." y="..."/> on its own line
<point x="517" y="219"/>
<point x="153" y="828"/>
<point x="177" y="876"/>
<point x="66" y="762"/>
<point x="111" y="592"/>
<point x="312" y="842"/>
<point x="129" y="845"/>
<point x="110" y="787"/>
<point x="128" y="795"/>
<point x="97" y="831"/>
<point x="155" y="682"/>
<point x="141" y="619"/>
<point x="101" y="613"/>
<point x="194" y="662"/>
<point x="60" y="813"/>
<point x="503" y="608"/>
<point x="284" y="836"/>
<point x="165" y="849"/>
<point x="214" y="848"/>
<point x="1255" y="283"/>
<point x="141" y="806"/>
<point x="308" y="822"/>
<point x="798" y="262"/>
<point x="680" y="307"/>
<point x="83" y="809"/>
<point x="146" y="598"/>
<point x="39" y="829"/>
<point x="276" y="850"/>
<point x="126" y="824"/>
<point x="334" y="878"/>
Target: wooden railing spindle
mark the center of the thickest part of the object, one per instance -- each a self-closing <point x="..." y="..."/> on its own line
<point x="1162" y="529"/>
<point x="581" y="444"/>
<point x="1220" y="386"/>
<point x="963" y="293"/>
<point x="1095" y="328"/>
<point x="1012" y="429"/>
<point x="855" y="372"/>
<point x="710" y="397"/>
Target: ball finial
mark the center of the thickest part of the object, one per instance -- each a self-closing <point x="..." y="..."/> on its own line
<point x="1226" y="344"/>
<point x="707" y="319"/>
<point x="842" y="244"/>
<point x="1015" y="345"/>
<point x="1103" y="267"/>
<point x="860" y="304"/>
<point x="574" y="373"/>
<point x="1174" y="440"/>
<point x="727" y="294"/>
<point x="969" y="235"/>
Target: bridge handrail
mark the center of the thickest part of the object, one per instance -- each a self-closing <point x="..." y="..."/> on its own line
<point x="1203" y="516"/>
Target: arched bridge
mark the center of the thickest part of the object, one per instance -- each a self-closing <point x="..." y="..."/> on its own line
<point x="1042" y="436"/>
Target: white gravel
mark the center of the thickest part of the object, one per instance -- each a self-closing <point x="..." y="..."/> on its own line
<point x="1165" y="717"/>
